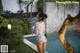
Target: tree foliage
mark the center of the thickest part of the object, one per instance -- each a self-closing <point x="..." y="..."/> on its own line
<point x="13" y="37"/>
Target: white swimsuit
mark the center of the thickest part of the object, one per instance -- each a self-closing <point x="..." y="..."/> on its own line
<point x="41" y="37"/>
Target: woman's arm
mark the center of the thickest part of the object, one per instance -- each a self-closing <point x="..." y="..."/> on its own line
<point x="37" y="31"/>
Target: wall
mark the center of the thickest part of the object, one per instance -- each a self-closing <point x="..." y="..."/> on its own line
<point x="10" y="5"/>
<point x="57" y="14"/>
<point x="13" y="6"/>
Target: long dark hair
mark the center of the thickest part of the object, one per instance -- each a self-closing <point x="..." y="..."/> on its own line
<point x="42" y="16"/>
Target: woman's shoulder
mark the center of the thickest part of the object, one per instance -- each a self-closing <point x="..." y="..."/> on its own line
<point x="37" y="23"/>
<point x="40" y="23"/>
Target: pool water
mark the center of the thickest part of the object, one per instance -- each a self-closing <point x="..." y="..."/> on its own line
<point x="54" y="45"/>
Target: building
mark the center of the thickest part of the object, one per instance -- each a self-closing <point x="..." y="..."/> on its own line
<point x="18" y="5"/>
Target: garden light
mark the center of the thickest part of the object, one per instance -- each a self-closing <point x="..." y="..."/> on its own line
<point x="9" y="26"/>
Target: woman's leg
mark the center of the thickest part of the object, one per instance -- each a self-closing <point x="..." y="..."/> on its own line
<point x="44" y="47"/>
<point x="40" y="47"/>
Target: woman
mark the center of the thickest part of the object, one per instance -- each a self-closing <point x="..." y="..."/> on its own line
<point x="62" y="32"/>
<point x="40" y="32"/>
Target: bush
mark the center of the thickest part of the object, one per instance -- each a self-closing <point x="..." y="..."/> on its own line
<point x="13" y="37"/>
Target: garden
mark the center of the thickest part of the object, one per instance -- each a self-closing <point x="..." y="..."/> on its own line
<point x="14" y="37"/>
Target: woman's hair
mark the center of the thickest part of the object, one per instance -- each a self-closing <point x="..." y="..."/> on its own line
<point x="70" y="19"/>
<point x="42" y="16"/>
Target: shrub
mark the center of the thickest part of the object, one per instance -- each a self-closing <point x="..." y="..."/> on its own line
<point x="13" y="37"/>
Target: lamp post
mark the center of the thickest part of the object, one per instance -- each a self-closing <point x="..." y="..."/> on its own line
<point x="44" y="10"/>
<point x="31" y="8"/>
<point x="20" y="1"/>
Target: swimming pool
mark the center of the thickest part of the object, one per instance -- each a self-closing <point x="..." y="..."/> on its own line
<point x="55" y="46"/>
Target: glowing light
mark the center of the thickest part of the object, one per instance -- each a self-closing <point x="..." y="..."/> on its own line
<point x="9" y="26"/>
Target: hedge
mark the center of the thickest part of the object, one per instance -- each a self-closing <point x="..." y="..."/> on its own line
<point x="13" y="37"/>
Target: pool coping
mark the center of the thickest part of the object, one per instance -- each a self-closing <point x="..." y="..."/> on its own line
<point x="30" y="44"/>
